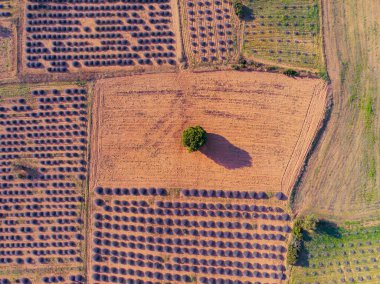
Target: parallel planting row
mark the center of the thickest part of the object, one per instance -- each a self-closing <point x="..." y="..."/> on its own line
<point x="43" y="169"/>
<point x="285" y="32"/>
<point x="154" y="235"/>
<point x="99" y="34"/>
<point x="210" y="31"/>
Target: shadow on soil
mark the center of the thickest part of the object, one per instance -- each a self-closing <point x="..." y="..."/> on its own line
<point x="324" y="228"/>
<point x="4" y="32"/>
<point x="222" y="152"/>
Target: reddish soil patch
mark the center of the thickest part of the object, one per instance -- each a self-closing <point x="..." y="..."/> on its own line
<point x="259" y="125"/>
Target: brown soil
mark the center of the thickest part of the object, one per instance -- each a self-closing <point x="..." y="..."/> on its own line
<point x="8" y="52"/>
<point x="342" y="180"/>
<point x="254" y="121"/>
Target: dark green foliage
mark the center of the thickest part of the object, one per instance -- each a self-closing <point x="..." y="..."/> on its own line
<point x="309" y="222"/>
<point x="306" y="223"/>
<point x="293" y="252"/>
<point x="324" y="76"/>
<point x="239" y="8"/>
<point x="193" y="138"/>
<point x="291" y="73"/>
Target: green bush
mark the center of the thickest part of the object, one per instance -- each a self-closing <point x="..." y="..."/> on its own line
<point x="239" y="8"/>
<point x="193" y="138"/>
<point x="309" y="222"/>
<point x="324" y="75"/>
<point x="291" y="73"/>
<point x="293" y="252"/>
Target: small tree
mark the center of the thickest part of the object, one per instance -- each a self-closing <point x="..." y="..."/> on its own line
<point x="291" y="73"/>
<point x="239" y="8"/>
<point x="193" y="138"/>
<point x="310" y="222"/>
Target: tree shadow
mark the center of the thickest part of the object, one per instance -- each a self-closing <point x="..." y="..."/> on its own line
<point x="324" y="227"/>
<point x="222" y="152"/>
<point x="328" y="228"/>
<point x="248" y="13"/>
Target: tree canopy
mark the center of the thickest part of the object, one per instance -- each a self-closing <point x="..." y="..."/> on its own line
<point x="193" y="138"/>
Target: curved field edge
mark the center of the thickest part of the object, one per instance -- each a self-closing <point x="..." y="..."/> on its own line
<point x="342" y="180"/>
<point x="309" y="132"/>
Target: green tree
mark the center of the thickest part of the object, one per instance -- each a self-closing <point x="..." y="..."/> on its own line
<point x="239" y="8"/>
<point x="194" y="138"/>
<point x="310" y="222"/>
<point x="291" y="73"/>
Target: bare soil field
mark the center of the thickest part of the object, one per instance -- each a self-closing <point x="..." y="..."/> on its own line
<point x="342" y="180"/>
<point x="43" y="174"/>
<point x="100" y="36"/>
<point x="255" y="122"/>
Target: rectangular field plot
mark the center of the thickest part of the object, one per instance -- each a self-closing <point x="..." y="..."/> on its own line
<point x="98" y="35"/>
<point x="337" y="255"/>
<point x="43" y="173"/>
<point x="285" y="33"/>
<point x="210" y="31"/>
<point x="258" y="130"/>
<point x="167" y="236"/>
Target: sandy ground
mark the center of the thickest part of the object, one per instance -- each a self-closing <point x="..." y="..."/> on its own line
<point x="342" y="180"/>
<point x="8" y="52"/>
<point x="255" y="122"/>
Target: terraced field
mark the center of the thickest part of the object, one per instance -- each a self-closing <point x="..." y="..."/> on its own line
<point x="340" y="256"/>
<point x="284" y="32"/>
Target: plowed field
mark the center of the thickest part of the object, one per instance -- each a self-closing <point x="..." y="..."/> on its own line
<point x="255" y="121"/>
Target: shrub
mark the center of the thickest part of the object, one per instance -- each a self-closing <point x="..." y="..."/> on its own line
<point x="309" y="222"/>
<point x="324" y="75"/>
<point x="239" y="8"/>
<point x="193" y="138"/>
<point x="291" y="73"/>
<point x="293" y="252"/>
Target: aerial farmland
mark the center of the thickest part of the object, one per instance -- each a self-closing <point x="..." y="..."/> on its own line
<point x="163" y="141"/>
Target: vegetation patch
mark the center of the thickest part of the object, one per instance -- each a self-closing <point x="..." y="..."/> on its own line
<point x="286" y="32"/>
<point x="341" y="255"/>
<point x="194" y="138"/>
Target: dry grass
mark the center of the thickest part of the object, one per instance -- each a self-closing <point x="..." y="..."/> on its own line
<point x="343" y="176"/>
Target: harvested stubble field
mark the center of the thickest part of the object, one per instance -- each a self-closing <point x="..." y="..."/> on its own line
<point x="43" y="172"/>
<point x="260" y="127"/>
<point x="100" y="35"/>
<point x="337" y="255"/>
<point x="284" y="32"/>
